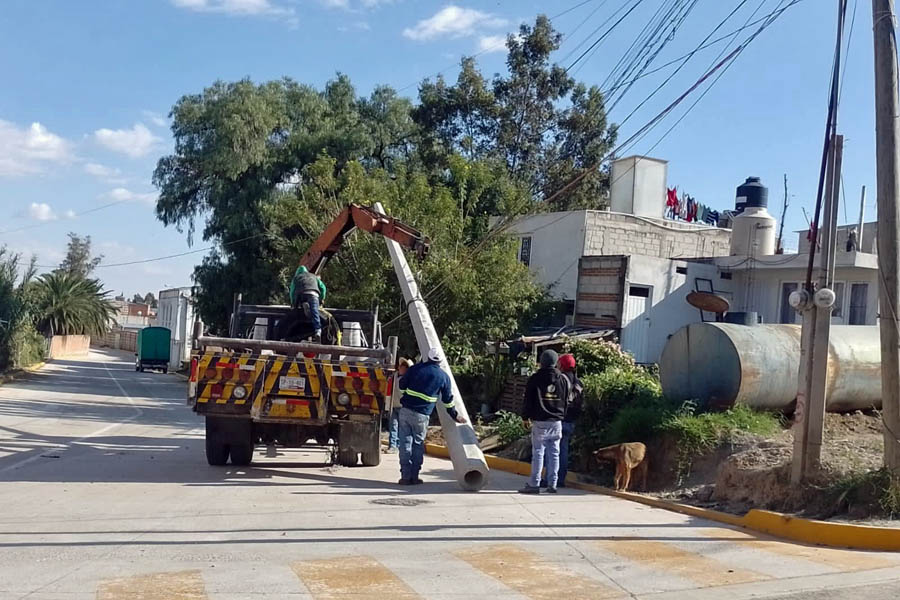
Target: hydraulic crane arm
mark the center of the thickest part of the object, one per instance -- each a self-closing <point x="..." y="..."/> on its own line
<point x="362" y="217"/>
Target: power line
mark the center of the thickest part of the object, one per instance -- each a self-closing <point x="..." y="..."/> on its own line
<point x="56" y="222"/>
<point x="605" y="34"/>
<point x="168" y="256"/>
<point x="494" y="47"/>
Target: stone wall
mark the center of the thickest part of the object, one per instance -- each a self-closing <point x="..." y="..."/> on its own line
<point x="64" y="346"/>
<point x="615" y="233"/>
<point x="601" y="280"/>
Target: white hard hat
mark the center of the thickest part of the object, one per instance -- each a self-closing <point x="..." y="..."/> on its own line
<point x="434" y="355"/>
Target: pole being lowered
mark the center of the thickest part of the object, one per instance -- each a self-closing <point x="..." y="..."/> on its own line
<point x="468" y="461"/>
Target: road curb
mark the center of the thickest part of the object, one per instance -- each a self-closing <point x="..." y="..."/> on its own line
<point x="809" y="531"/>
<point x="17" y="373"/>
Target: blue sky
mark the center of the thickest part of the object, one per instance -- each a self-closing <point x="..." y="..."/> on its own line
<point x="87" y="86"/>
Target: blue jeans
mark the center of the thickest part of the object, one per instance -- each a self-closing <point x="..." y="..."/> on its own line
<point x="567" y="430"/>
<point x="545" y="436"/>
<point x="413" y="427"/>
<point x="313" y="301"/>
<point x="394" y="428"/>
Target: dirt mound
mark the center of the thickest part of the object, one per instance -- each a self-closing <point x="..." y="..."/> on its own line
<point x="755" y="472"/>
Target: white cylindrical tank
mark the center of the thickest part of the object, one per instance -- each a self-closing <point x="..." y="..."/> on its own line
<point x="352" y="334"/>
<point x="753" y="233"/>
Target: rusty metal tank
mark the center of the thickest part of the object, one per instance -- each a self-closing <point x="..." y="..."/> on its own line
<point x="721" y="364"/>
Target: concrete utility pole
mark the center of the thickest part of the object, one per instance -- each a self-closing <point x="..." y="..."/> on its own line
<point x="469" y="464"/>
<point x="809" y="416"/>
<point x="887" y="139"/>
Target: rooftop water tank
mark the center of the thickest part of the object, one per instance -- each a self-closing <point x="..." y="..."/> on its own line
<point x="751" y="193"/>
<point x="753" y="228"/>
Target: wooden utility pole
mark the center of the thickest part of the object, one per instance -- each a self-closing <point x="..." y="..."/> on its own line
<point x="887" y="139"/>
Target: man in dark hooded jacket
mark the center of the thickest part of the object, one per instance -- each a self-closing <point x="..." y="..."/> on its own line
<point x="546" y="395"/>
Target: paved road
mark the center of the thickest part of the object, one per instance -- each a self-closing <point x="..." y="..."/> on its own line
<point x="105" y="494"/>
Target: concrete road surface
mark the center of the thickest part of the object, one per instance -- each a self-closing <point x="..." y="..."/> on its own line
<point x="105" y="493"/>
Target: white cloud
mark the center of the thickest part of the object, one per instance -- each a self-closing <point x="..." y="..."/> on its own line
<point x="121" y="194"/>
<point x="492" y="43"/>
<point x="236" y="7"/>
<point x="342" y="4"/>
<point x="41" y="211"/>
<point x="135" y="142"/>
<point x="155" y="118"/>
<point x="26" y="150"/>
<point x="452" y="22"/>
<point x="70" y="214"/>
<point x="356" y="26"/>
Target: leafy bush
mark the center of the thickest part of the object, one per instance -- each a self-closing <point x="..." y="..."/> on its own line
<point x="595" y="357"/>
<point x="510" y="427"/>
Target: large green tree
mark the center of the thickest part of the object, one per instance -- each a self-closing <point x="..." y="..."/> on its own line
<point x="79" y="258"/>
<point x="260" y="169"/>
<point x="544" y="126"/>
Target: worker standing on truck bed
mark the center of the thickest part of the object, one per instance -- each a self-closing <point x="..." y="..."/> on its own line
<point x="308" y="287"/>
<point x="421" y="386"/>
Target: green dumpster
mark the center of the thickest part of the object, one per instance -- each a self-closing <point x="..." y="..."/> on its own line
<point x="153" y="345"/>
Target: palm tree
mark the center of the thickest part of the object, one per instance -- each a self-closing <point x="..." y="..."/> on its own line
<point x="72" y="304"/>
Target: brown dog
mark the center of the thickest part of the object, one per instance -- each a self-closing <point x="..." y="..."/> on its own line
<point x="627" y="456"/>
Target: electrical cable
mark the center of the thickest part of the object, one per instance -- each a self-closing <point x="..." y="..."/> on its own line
<point x="168" y="256"/>
<point x="603" y="37"/>
<point x="728" y="59"/>
<point x="74" y="215"/>
<point x="684" y="62"/>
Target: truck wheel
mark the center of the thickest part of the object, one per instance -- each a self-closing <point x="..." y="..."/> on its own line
<point x="217" y="449"/>
<point x="347" y="458"/>
<point x="241" y="454"/>
<point x="371" y="459"/>
<point x="165" y="370"/>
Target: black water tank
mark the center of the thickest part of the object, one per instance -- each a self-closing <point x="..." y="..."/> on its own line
<point x="751" y="193"/>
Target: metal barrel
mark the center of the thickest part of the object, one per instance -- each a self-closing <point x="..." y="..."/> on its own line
<point x="722" y="364"/>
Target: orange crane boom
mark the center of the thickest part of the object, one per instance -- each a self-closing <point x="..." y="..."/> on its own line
<point x="362" y="217"/>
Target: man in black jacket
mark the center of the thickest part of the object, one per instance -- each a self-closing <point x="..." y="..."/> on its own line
<point x="573" y="412"/>
<point x="546" y="394"/>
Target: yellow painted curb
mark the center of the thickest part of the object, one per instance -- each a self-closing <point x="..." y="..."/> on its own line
<point x="808" y="531"/>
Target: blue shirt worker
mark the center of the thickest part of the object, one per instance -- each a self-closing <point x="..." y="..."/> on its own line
<point x="422" y="385"/>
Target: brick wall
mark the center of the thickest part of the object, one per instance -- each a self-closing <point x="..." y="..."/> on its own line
<point x="120" y="339"/>
<point x="613" y="233"/>
<point x="601" y="280"/>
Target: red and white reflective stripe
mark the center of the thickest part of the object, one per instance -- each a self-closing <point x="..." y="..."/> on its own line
<point x="290" y="401"/>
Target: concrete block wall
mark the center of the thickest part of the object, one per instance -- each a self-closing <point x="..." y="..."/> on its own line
<point x="600" y="286"/>
<point x="609" y="233"/>
<point x="63" y="346"/>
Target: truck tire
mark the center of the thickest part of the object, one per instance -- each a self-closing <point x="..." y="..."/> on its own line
<point x="347" y="458"/>
<point x="217" y="448"/>
<point x="371" y="459"/>
<point x="241" y="454"/>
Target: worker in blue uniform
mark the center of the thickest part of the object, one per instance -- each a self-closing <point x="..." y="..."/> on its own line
<point x="423" y="384"/>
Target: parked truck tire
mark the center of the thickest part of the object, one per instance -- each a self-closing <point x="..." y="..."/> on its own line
<point x="347" y="458"/>
<point x="371" y="456"/>
<point x="241" y="454"/>
<point x="217" y="449"/>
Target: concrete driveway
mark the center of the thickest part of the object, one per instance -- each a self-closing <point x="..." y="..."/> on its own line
<point x="105" y="493"/>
